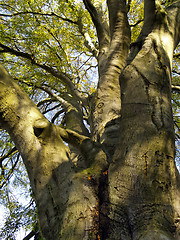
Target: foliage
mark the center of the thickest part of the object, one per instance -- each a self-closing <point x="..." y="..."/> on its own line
<point x="43" y="39"/>
<point x="16" y="197"/>
<point x="176" y="102"/>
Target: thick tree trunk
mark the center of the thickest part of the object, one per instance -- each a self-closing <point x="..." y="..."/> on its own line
<point x="125" y="185"/>
<point x="66" y="193"/>
<point x="143" y="180"/>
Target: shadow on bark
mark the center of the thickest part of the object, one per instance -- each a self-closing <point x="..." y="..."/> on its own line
<point x="143" y="179"/>
<point x="143" y="187"/>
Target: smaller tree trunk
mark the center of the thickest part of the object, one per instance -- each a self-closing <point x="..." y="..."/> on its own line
<point x="66" y="193"/>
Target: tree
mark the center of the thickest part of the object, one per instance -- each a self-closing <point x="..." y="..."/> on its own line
<point x="104" y="167"/>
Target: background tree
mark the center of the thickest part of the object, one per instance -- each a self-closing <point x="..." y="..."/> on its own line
<point x="100" y="159"/>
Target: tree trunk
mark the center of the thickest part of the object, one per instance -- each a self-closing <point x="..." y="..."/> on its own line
<point x="123" y="185"/>
<point x="66" y="192"/>
<point x="143" y="180"/>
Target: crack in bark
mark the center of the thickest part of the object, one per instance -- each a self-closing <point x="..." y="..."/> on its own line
<point x="158" y="54"/>
<point x="156" y="102"/>
<point x="145" y="157"/>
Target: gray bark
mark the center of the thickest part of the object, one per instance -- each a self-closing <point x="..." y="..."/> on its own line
<point x="143" y="180"/>
<point x="122" y="183"/>
<point x="67" y="201"/>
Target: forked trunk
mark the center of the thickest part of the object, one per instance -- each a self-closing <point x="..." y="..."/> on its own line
<point x="143" y="179"/>
<point x="123" y="184"/>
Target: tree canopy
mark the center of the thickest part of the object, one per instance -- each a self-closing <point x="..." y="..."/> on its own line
<point x="51" y="49"/>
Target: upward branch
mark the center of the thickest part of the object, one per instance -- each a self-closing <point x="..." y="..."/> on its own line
<point x="65" y="104"/>
<point x="173" y="13"/>
<point x="111" y="63"/>
<point x="152" y="8"/>
<point x="102" y="33"/>
<point x="155" y="16"/>
<point x="149" y="10"/>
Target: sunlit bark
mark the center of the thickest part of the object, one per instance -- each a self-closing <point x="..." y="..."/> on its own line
<point x="119" y="182"/>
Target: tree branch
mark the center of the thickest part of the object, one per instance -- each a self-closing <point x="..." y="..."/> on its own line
<point x="174" y="71"/>
<point x="65" y="104"/>
<point x="40" y="14"/>
<point x="10" y="172"/>
<point x="11" y="151"/>
<point x="173" y="13"/>
<point x="51" y="109"/>
<point x="152" y="9"/>
<point x="61" y="76"/>
<point x="87" y="40"/>
<point x="113" y="7"/>
<point x="149" y="10"/>
<point x="72" y="137"/>
<point x="135" y="24"/>
<point x="120" y="36"/>
<point x="101" y="31"/>
<point x="75" y="112"/>
<point x="111" y="63"/>
<point x="46" y="100"/>
<point x="155" y="16"/>
<point x="176" y="55"/>
<point x="30" y="235"/>
<point x="57" y="115"/>
<point x="175" y="88"/>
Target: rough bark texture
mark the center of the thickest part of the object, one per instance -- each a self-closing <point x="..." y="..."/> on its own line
<point x="142" y="177"/>
<point x="66" y="194"/>
<point x="111" y="61"/>
<point x="123" y="183"/>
